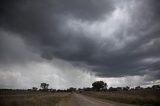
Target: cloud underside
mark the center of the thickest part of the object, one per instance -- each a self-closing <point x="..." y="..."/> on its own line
<point x="88" y="38"/>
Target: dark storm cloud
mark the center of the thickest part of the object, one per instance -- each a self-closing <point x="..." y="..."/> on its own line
<point x="38" y="21"/>
<point x="39" y="24"/>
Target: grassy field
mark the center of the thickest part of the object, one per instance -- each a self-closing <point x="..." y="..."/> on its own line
<point x="142" y="98"/>
<point x="30" y="98"/>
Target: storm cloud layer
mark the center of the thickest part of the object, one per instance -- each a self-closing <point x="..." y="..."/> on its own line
<point x="109" y="38"/>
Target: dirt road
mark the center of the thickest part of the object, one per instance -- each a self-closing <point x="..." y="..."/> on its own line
<point x="81" y="100"/>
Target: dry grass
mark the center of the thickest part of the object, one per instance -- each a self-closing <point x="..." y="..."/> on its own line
<point x="143" y="98"/>
<point x="30" y="98"/>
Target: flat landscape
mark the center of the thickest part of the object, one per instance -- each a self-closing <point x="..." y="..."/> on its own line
<point x="79" y="52"/>
<point x="83" y="98"/>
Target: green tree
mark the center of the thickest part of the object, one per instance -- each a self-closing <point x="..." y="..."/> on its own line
<point x="99" y="85"/>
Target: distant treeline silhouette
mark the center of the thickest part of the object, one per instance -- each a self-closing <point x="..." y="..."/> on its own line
<point x="96" y="86"/>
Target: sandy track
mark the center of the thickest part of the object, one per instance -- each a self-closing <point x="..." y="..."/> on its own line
<point x="81" y="100"/>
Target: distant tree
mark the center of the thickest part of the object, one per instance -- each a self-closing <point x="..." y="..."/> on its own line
<point x="99" y="85"/>
<point x="34" y="88"/>
<point x="27" y="90"/>
<point x="132" y="89"/>
<point x="44" y="86"/>
<point x="113" y="89"/>
<point x="156" y="87"/>
<point x="87" y="89"/>
<point x="71" y="89"/>
<point x="59" y="90"/>
<point x="138" y="88"/>
<point x="148" y="88"/>
<point x="80" y="90"/>
<point x="119" y="88"/>
<point x="52" y="90"/>
<point x="126" y="88"/>
<point x="105" y="85"/>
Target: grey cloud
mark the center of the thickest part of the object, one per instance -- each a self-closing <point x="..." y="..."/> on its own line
<point x="38" y="21"/>
<point x="88" y="9"/>
<point x="13" y="49"/>
<point x="39" y="24"/>
<point x="58" y="73"/>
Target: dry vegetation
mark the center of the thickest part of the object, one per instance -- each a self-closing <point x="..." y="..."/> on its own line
<point x="140" y="97"/>
<point x="25" y="98"/>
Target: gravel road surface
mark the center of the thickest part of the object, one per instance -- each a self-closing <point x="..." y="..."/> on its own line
<point x="82" y="100"/>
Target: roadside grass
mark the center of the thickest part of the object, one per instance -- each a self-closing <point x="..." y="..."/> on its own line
<point x="132" y="100"/>
<point x="30" y="99"/>
<point x="142" y="98"/>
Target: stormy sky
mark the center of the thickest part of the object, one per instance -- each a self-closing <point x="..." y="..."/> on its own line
<point x="76" y="42"/>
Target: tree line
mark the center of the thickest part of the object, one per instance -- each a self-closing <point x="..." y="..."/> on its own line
<point x="96" y="86"/>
